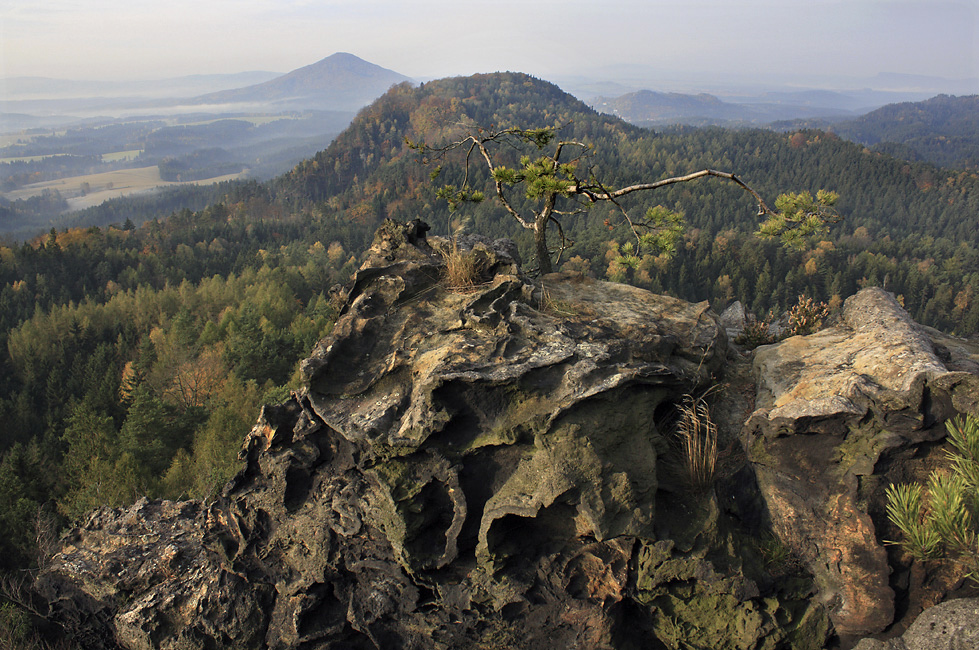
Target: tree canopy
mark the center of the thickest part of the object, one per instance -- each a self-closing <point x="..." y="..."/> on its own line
<point x="559" y="182"/>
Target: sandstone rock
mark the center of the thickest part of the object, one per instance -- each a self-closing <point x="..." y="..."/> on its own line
<point x="492" y="469"/>
<point x="952" y="625"/>
<point x="734" y="319"/>
<point x="143" y="577"/>
<point x="832" y="408"/>
<point x="462" y="469"/>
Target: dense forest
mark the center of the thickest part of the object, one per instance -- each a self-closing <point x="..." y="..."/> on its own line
<point x="943" y="130"/>
<point x="911" y="228"/>
<point x="135" y="358"/>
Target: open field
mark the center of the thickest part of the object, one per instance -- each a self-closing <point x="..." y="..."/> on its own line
<point x="133" y="154"/>
<point x="106" y="157"/>
<point x="257" y="120"/>
<point x="10" y="139"/>
<point x="107" y="185"/>
<point x="14" y="159"/>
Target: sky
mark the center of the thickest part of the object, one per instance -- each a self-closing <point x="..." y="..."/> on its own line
<point x="117" y="40"/>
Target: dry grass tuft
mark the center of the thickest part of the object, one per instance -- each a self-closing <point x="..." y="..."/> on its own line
<point x="551" y="305"/>
<point x="463" y="269"/>
<point x="697" y="434"/>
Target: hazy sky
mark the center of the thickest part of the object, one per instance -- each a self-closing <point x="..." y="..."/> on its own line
<point x="138" y="39"/>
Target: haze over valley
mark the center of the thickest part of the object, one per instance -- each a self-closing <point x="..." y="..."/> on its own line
<point x="72" y="144"/>
<point x="488" y="325"/>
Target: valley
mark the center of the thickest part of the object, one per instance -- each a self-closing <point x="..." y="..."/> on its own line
<point x="89" y="190"/>
<point x="55" y="136"/>
<point x="478" y="460"/>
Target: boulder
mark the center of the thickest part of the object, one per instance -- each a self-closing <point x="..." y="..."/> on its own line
<point x="144" y="577"/>
<point x="734" y="319"/>
<point x="840" y="414"/>
<point x="463" y="468"/>
<point x="952" y="625"/>
<point x="495" y="466"/>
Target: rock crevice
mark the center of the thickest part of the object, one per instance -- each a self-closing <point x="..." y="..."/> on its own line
<point x="496" y="468"/>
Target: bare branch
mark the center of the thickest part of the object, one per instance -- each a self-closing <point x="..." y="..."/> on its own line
<point x="499" y="186"/>
<point x="548" y="179"/>
<point x="605" y="195"/>
<point x="611" y="199"/>
<point x="565" y="242"/>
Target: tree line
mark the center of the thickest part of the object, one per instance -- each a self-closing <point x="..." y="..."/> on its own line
<point x="134" y="354"/>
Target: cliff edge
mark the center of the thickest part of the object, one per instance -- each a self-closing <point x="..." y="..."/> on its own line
<point x="496" y="467"/>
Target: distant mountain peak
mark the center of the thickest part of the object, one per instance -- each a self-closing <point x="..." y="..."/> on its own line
<point x="341" y="81"/>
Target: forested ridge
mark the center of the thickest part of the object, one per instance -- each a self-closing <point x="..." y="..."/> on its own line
<point x="136" y="358"/>
<point x="911" y="227"/>
<point x="943" y="130"/>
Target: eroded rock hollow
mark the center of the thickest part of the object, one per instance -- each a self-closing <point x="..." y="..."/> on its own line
<point x="494" y="467"/>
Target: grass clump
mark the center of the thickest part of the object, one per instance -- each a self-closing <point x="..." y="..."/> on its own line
<point x="463" y="269"/>
<point x="697" y="434"/>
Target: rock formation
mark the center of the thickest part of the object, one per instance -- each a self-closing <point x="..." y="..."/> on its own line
<point x="835" y="409"/>
<point x="495" y="468"/>
<point x="952" y="625"/>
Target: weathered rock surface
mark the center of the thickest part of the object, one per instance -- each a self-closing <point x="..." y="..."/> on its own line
<point x="952" y="625"/>
<point x="145" y="577"/>
<point x="463" y="468"/>
<point x="734" y="319"/>
<point x="494" y="468"/>
<point x="840" y="414"/>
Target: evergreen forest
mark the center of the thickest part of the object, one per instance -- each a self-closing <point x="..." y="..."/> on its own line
<point x="134" y="358"/>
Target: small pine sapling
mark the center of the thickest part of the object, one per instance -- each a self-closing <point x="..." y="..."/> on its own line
<point x="941" y="520"/>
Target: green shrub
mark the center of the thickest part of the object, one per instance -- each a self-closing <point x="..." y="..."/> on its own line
<point x="755" y="333"/>
<point x="941" y="519"/>
<point x="806" y="317"/>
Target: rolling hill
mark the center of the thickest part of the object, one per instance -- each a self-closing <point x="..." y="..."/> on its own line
<point x="943" y="130"/>
<point x="898" y="217"/>
<point x="649" y="108"/>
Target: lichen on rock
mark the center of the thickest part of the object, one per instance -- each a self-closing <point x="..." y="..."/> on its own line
<point x="835" y="409"/>
<point x="490" y="467"/>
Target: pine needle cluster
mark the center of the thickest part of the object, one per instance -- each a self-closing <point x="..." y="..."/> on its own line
<point x="941" y="519"/>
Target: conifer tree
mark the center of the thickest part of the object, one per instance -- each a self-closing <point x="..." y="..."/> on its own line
<point x="552" y="174"/>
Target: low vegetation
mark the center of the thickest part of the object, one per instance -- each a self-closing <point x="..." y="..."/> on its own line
<point x="136" y="353"/>
<point x="806" y="316"/>
<point x="463" y="268"/>
<point x="697" y="436"/>
<point x="940" y="520"/>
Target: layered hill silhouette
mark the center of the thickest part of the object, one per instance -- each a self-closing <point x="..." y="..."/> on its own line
<point x="340" y="82"/>
<point x="649" y="108"/>
<point x="943" y="130"/>
<point x="368" y="174"/>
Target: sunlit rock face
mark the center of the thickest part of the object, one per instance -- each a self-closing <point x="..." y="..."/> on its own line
<point x="842" y="414"/>
<point x="462" y="464"/>
<point x="494" y="466"/>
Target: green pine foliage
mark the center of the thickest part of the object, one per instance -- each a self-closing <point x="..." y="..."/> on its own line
<point x="941" y="519"/>
<point x="909" y="227"/>
<point x="134" y="359"/>
<point x="943" y="130"/>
